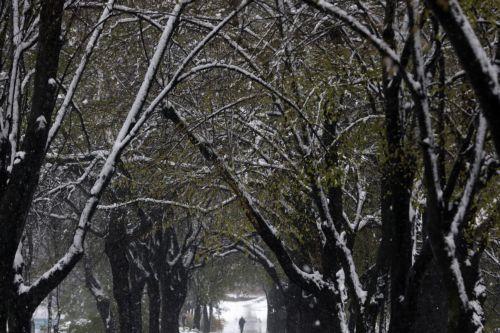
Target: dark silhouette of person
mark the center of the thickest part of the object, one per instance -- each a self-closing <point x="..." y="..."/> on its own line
<point x="242" y="324"/>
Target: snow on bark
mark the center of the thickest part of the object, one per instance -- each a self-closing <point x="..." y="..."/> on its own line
<point x="422" y="101"/>
<point x="340" y="243"/>
<point x="355" y="25"/>
<point x="170" y="203"/>
<point x="479" y="68"/>
<point x="91" y="44"/>
<point x="129" y="129"/>
<point x="11" y="130"/>
<point x="41" y="123"/>
<point x="75" y="251"/>
<point x="314" y="281"/>
<point x="458" y="219"/>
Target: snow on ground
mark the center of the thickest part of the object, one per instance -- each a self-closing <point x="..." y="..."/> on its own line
<point x="254" y="311"/>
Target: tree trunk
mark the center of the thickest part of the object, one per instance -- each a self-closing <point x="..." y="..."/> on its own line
<point x="127" y="285"/>
<point x="20" y="320"/>
<point x="197" y="315"/>
<point x="432" y="303"/>
<point x="276" y="312"/>
<point x="24" y="177"/>
<point x="210" y="315"/>
<point x="3" y="319"/>
<point x="49" y="313"/>
<point x="293" y="316"/>
<point x="170" y="317"/>
<point x="173" y="288"/>
<point x="205" y="322"/>
<point x="121" y="291"/>
<point x="103" y="303"/>
<point x="307" y="314"/>
<point x="136" y="303"/>
<point x="170" y="324"/>
<point x="396" y="185"/>
<point x="154" y="305"/>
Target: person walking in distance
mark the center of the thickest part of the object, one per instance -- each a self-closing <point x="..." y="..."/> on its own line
<point x="242" y="324"/>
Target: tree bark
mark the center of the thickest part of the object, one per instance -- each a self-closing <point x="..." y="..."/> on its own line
<point x="20" y="320"/>
<point x="103" y="302"/>
<point x="173" y="294"/>
<point x="482" y="75"/>
<point x="154" y="305"/>
<point x="308" y="314"/>
<point x="197" y="315"/>
<point x="24" y="177"/>
<point x="127" y="285"/>
<point x="396" y="186"/>
<point x="205" y="322"/>
<point x="432" y="302"/>
<point x="276" y="312"/>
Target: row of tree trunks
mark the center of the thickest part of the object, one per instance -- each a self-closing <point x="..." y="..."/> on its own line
<point x="166" y="284"/>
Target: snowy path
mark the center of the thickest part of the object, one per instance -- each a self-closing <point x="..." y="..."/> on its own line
<point x="254" y="311"/>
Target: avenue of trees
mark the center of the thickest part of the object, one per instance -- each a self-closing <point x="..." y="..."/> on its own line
<point x="341" y="156"/>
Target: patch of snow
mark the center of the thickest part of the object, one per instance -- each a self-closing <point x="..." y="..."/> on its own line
<point x="41" y="123"/>
<point x="254" y="311"/>
<point x="20" y="155"/>
<point x="479" y="289"/>
<point x="41" y="312"/>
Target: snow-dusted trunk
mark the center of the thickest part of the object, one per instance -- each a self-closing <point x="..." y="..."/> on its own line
<point x="307" y="314"/>
<point x="452" y="249"/>
<point x="396" y="184"/>
<point x="482" y="74"/>
<point x="276" y="313"/>
<point x="294" y="318"/>
<point x="414" y="290"/>
<point x="336" y="258"/>
<point x="121" y="291"/>
<point x="321" y="287"/>
<point x="173" y="294"/>
<point x="127" y="286"/>
<point x="24" y="175"/>
<point x="173" y="284"/>
<point x="103" y="302"/>
<point x="137" y="288"/>
<point x="168" y="264"/>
